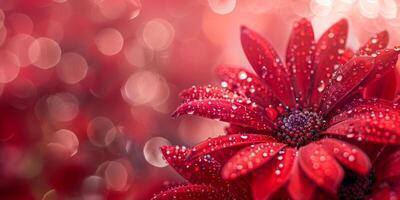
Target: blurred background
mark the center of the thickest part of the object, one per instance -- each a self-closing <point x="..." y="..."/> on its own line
<point x="88" y="86"/>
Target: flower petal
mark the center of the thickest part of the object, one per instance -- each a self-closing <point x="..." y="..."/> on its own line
<point x="268" y="65"/>
<point x="226" y="142"/>
<point x="376" y="42"/>
<point x="330" y="47"/>
<point x="348" y="155"/>
<point x="388" y="168"/>
<point x="321" y="167"/>
<point x="227" y="110"/>
<point x="344" y="81"/>
<point x="205" y="169"/>
<point x="300" y="187"/>
<point x="192" y="192"/>
<point x="209" y="92"/>
<point x="381" y="127"/>
<point x="389" y="82"/>
<point x="245" y="83"/>
<point x="360" y="107"/>
<point x="250" y="158"/>
<point x="271" y="177"/>
<point x="300" y="58"/>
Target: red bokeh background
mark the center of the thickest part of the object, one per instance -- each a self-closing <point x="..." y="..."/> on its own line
<point x="88" y="86"/>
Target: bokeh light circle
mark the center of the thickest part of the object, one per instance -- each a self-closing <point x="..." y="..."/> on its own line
<point x="66" y="140"/>
<point x="9" y="66"/>
<point x="222" y="7"/>
<point x="99" y="133"/>
<point x="72" y="68"/>
<point x="44" y="53"/>
<point x="158" y="34"/>
<point x="109" y="41"/>
<point x="63" y="106"/>
<point x="152" y="152"/>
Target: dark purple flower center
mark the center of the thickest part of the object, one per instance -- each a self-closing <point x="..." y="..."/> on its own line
<point x="299" y="128"/>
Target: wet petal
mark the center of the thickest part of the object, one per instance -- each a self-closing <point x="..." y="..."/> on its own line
<point x="250" y="158"/>
<point x="379" y="127"/>
<point x="227" y="142"/>
<point x="388" y="168"/>
<point x="376" y="42"/>
<point x="271" y="177"/>
<point x="348" y="155"/>
<point x="245" y="83"/>
<point x="344" y="81"/>
<point x="384" y="63"/>
<point x="190" y="169"/>
<point x="227" y="110"/>
<point x="389" y="82"/>
<point x="300" y="187"/>
<point x="359" y="107"/>
<point x="329" y="49"/>
<point x="383" y="192"/>
<point x="300" y="58"/>
<point x="321" y="167"/>
<point x="192" y="192"/>
<point x="268" y="65"/>
<point x="209" y="92"/>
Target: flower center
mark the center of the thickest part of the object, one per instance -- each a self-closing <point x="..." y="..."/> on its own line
<point x="299" y="128"/>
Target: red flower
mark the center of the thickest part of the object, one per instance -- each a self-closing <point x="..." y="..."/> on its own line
<point x="293" y="126"/>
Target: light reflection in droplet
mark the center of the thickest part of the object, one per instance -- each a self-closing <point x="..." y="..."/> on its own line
<point x="65" y="139"/>
<point x="9" y="66"/>
<point x="152" y="152"/>
<point x="44" y="53"/>
<point x="222" y="7"/>
<point x="109" y="41"/>
<point x="72" y="68"/>
<point x="63" y="106"/>
<point x="158" y="34"/>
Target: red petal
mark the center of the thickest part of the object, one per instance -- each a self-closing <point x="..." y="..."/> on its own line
<point x="192" y="192"/>
<point x="245" y="83"/>
<point x="271" y="177"/>
<point x="380" y="127"/>
<point x="389" y="167"/>
<point x="344" y="81"/>
<point x="227" y="110"/>
<point x="377" y="42"/>
<point x="389" y="82"/>
<point x="383" y="192"/>
<point x="209" y="92"/>
<point x="226" y="142"/>
<point x="250" y="158"/>
<point x="190" y="170"/>
<point x="267" y="65"/>
<point x="327" y="54"/>
<point x="360" y="107"/>
<point x="348" y="155"/>
<point x="300" y="58"/>
<point x="384" y="63"/>
<point x="321" y="167"/>
<point x="300" y="187"/>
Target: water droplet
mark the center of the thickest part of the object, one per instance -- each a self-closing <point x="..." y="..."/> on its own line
<point x="339" y="78"/>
